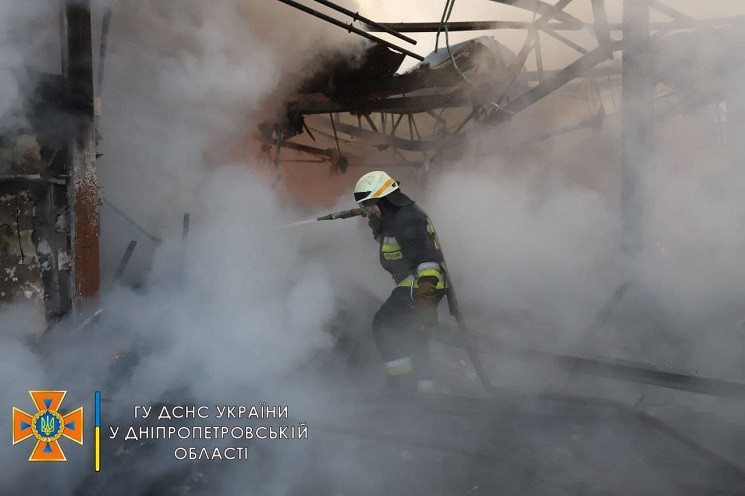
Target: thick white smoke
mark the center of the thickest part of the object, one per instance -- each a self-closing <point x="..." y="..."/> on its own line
<point x="241" y="304"/>
<point x="244" y="307"/>
<point x="182" y="87"/>
<point x="519" y="246"/>
<point x="243" y="293"/>
<point x="21" y="52"/>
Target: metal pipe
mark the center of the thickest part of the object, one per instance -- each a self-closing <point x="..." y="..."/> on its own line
<point x="336" y="136"/>
<point x="546" y="10"/>
<point x="555" y="81"/>
<point x="130" y="221"/>
<point x="125" y="260"/>
<point x="431" y="27"/>
<point x="318" y="152"/>
<point x="356" y="16"/>
<point x="538" y="53"/>
<point x="602" y="28"/>
<point x="351" y="28"/>
<point x="638" y="129"/>
<point x="567" y="41"/>
<point x="452" y="26"/>
<point x="624" y="370"/>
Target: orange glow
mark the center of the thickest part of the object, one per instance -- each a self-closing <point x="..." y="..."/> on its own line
<point x="663" y="251"/>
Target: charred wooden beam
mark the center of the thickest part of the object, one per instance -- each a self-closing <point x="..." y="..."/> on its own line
<point x="82" y="152"/>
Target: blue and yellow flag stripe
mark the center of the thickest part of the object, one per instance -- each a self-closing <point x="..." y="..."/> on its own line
<point x="98" y="433"/>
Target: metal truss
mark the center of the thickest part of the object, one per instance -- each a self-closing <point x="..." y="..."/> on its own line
<point x="391" y="111"/>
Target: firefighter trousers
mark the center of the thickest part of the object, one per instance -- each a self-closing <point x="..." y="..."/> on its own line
<point x="403" y="342"/>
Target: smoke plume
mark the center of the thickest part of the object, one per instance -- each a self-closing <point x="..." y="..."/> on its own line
<point x="241" y="311"/>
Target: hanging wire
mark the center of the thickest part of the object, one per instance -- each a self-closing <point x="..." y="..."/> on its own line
<point x="442" y="22"/>
<point x="449" y="4"/>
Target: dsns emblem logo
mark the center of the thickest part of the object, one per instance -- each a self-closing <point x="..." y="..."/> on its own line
<point x="47" y="426"/>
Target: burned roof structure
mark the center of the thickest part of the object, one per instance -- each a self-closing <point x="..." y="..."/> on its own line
<point x="476" y="81"/>
<point x="564" y="437"/>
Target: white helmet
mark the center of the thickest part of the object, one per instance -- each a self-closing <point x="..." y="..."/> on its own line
<point x="373" y="185"/>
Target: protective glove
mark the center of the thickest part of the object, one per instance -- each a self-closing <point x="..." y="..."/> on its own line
<point x="426" y="303"/>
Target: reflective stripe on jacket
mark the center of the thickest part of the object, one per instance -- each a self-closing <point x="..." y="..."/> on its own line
<point x="409" y="249"/>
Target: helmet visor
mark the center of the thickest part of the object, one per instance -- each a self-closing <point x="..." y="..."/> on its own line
<point x="360" y="195"/>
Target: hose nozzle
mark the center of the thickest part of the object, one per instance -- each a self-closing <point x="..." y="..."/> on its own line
<point x="344" y="214"/>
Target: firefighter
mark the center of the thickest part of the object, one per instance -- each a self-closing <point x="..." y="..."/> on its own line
<point x="410" y="252"/>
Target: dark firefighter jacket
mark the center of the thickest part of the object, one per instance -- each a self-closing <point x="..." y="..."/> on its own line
<point x="409" y="248"/>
